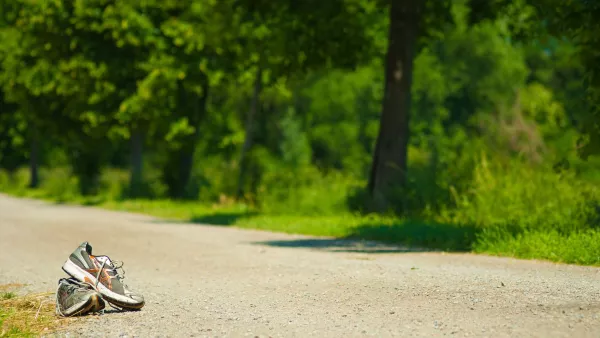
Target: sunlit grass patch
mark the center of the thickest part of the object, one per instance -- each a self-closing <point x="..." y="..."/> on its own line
<point x="27" y="315"/>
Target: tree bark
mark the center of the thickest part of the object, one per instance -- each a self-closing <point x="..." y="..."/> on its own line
<point x="250" y="129"/>
<point x="178" y="170"/>
<point x="388" y="169"/>
<point x="137" y="162"/>
<point x="86" y="162"/>
<point x="34" y="160"/>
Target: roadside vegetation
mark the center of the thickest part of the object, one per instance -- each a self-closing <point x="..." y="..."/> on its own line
<point x="516" y="212"/>
<point x="272" y="115"/>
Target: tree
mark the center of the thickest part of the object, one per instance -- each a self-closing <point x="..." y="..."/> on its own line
<point x="200" y="42"/>
<point x="389" y="164"/>
<point x="578" y="20"/>
<point x="411" y="26"/>
<point x="12" y="136"/>
<point x="287" y="39"/>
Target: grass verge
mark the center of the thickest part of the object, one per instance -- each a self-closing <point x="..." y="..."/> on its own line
<point x="439" y="236"/>
<point x="531" y="237"/>
<point x="27" y="315"/>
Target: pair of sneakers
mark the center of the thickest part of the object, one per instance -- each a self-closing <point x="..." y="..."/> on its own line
<point x="94" y="280"/>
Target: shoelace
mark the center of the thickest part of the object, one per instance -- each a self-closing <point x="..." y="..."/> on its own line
<point x="116" y="266"/>
<point x="70" y="286"/>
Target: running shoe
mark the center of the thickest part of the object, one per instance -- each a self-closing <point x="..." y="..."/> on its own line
<point x="105" y="275"/>
<point x="75" y="298"/>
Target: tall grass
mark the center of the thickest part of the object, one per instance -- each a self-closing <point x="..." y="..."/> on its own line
<point x="517" y="197"/>
<point x="531" y="213"/>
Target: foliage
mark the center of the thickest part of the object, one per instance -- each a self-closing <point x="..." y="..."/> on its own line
<point x="500" y="116"/>
<point x="577" y="21"/>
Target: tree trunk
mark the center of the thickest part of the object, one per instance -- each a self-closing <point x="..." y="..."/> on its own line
<point x="86" y="162"/>
<point x="250" y="129"/>
<point x="178" y="171"/>
<point x="34" y="179"/>
<point x="137" y="162"/>
<point x="388" y="169"/>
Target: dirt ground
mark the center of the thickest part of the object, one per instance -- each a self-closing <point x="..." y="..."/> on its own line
<point x="207" y="281"/>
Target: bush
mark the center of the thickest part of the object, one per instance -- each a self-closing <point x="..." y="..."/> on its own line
<point x="59" y="184"/>
<point x="114" y="184"/>
<point x="306" y="191"/>
<point x="523" y="198"/>
<point x="5" y="180"/>
<point x="529" y="212"/>
<point x="15" y="182"/>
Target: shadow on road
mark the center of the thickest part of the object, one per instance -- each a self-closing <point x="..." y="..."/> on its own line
<point x="395" y="237"/>
<point x="228" y="218"/>
<point x="370" y="236"/>
<point x="342" y="245"/>
<point x="215" y="219"/>
<point x="418" y="233"/>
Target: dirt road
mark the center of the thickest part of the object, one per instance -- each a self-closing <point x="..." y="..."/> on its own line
<point x="208" y="281"/>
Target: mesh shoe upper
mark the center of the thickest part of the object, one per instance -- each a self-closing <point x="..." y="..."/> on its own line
<point x="73" y="297"/>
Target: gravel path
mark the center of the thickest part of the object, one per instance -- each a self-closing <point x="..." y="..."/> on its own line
<point x="208" y="281"/>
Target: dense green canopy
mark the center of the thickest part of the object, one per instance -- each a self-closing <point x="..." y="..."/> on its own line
<point x="260" y="99"/>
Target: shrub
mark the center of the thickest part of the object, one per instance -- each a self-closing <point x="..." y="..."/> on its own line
<point x="59" y="184"/>
<point x="306" y="191"/>
<point x="521" y="197"/>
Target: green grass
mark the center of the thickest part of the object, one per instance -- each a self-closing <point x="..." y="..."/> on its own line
<point x="7" y="295"/>
<point x="581" y="247"/>
<point x="11" y="331"/>
<point x="507" y="211"/>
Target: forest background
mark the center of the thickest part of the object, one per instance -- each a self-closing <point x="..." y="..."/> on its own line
<point x="267" y="115"/>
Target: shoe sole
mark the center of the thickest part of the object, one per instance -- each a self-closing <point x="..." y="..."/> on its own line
<point x="93" y="303"/>
<point x="109" y="295"/>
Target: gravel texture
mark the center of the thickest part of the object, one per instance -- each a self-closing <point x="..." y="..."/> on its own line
<point x="205" y="281"/>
